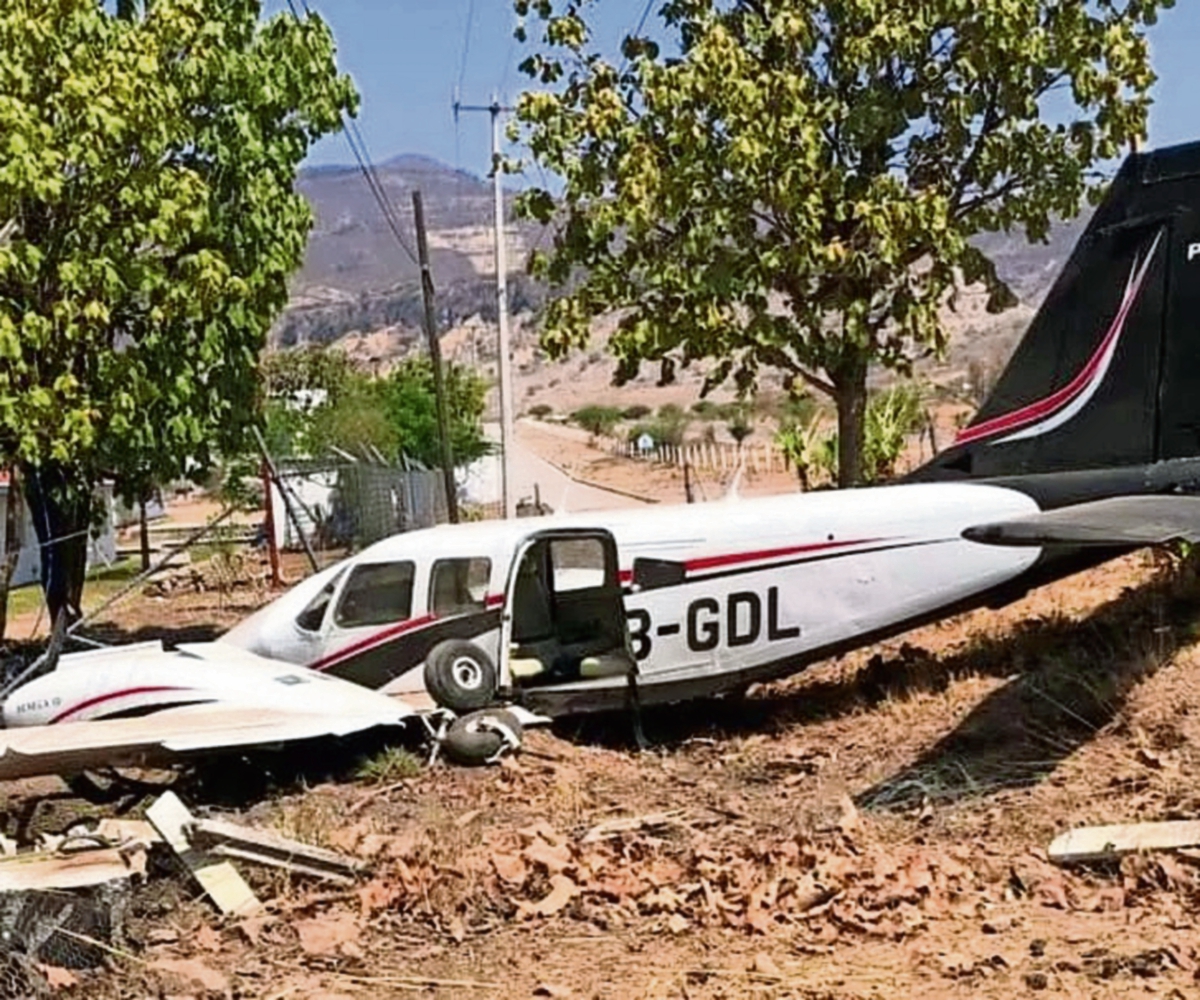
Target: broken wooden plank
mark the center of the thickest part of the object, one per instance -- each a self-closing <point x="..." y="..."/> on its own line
<point x="218" y="878"/>
<point x="297" y="867"/>
<point x="76" y="870"/>
<point x="1105" y="843"/>
<point x="272" y="848"/>
<point x="630" y="824"/>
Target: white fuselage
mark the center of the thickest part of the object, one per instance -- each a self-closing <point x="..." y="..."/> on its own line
<point x="768" y="582"/>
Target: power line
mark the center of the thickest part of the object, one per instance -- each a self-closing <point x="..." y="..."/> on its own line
<point x="466" y="46"/>
<point x="358" y="147"/>
<point x="636" y="32"/>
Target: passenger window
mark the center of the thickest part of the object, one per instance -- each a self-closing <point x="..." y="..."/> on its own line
<point x="578" y="563"/>
<point x="376" y="594"/>
<point x="457" y="586"/>
<point x="311" y="618"/>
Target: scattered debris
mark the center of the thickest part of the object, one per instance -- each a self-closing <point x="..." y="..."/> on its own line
<point x="218" y="878"/>
<point x="1106" y="843"/>
<point x="649" y="822"/>
<point x="70" y="870"/>
<point x="264" y="847"/>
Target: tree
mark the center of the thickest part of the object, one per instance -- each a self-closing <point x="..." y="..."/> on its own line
<point x="148" y="163"/>
<point x="796" y="187"/>
<point x="412" y="409"/>
<point x="597" y="419"/>
<point x="318" y="400"/>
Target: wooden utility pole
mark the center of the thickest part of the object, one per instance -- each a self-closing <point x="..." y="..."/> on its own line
<point x="435" y="358"/>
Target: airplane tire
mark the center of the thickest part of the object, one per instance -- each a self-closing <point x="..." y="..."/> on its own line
<point x="479" y="738"/>
<point x="460" y="676"/>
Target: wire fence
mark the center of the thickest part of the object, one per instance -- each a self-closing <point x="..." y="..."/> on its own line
<point x="349" y="505"/>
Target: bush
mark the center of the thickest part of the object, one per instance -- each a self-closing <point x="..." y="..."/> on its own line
<point x="597" y="419"/>
<point x="540" y="411"/>
<point x="892" y="416"/>
<point x="706" y="409"/>
<point x="635" y="412"/>
<point x="670" y="425"/>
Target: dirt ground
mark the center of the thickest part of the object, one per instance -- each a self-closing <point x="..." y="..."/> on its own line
<point x="874" y="827"/>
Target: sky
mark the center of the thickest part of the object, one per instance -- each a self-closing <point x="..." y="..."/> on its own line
<point x="407" y="58"/>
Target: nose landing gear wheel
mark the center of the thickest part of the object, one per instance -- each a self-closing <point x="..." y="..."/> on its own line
<point x="460" y="676"/>
<point x="482" y="737"/>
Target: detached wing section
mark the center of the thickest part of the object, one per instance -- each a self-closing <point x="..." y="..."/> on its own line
<point x="1135" y="521"/>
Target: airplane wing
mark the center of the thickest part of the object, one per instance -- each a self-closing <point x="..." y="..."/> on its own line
<point x="1117" y="521"/>
<point x="164" y="737"/>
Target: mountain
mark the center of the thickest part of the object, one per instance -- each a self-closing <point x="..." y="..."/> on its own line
<point x="357" y="279"/>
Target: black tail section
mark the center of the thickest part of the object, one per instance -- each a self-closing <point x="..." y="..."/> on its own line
<point x="1108" y="373"/>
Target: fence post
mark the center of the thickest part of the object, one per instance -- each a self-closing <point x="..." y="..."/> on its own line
<point x="269" y="527"/>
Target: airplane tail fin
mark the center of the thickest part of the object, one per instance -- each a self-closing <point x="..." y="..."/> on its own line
<point x="1108" y="373"/>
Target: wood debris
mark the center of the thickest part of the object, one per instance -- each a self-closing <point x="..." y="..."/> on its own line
<point x="269" y="848"/>
<point x="1105" y="843"/>
<point x="219" y="879"/>
<point x="649" y="821"/>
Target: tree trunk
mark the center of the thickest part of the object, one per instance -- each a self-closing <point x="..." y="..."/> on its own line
<point x="144" y="534"/>
<point x="851" y="384"/>
<point x="61" y="507"/>
<point x="13" y="522"/>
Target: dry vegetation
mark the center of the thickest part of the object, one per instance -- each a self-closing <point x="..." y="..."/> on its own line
<point x="874" y="827"/>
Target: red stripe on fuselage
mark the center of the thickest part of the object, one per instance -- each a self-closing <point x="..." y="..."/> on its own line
<point x="370" y="641"/>
<point x="626" y="575"/>
<point x="713" y="562"/>
<point x="112" y="696"/>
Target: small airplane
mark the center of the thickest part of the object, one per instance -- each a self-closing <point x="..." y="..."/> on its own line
<point x="1088" y="447"/>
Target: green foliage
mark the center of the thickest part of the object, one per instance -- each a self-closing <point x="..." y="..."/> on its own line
<point x="810" y="447"/>
<point x="597" y="419"/>
<point x="306" y="370"/>
<point x="147" y="168"/>
<point x="670" y="425"/>
<point x="794" y="184"/>
<point x="390" y="764"/>
<point x="636" y="412"/>
<point x="322" y="404"/>
<point x="892" y="417"/>
<point x="739" y="428"/>
<point x="411" y="408"/>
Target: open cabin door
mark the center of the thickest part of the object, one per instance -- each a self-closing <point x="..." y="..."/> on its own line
<point x="564" y="614"/>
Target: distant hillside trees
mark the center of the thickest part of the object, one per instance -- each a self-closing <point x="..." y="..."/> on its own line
<point x="795" y="184"/>
<point x="147" y="164"/>
<point x="317" y="401"/>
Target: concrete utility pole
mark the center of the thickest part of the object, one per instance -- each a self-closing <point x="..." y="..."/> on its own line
<point x="435" y="359"/>
<point x="504" y="357"/>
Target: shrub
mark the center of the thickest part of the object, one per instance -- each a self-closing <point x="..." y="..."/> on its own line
<point x="540" y="411"/>
<point x="597" y="419"/>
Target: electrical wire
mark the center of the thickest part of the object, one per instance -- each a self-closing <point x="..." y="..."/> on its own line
<point x="466" y="46"/>
<point x="358" y="147"/>
<point x="636" y="32"/>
